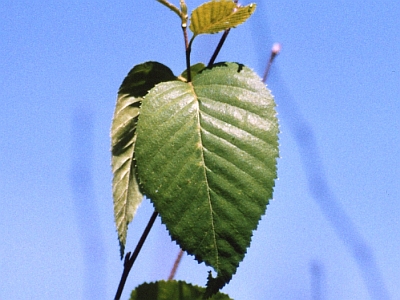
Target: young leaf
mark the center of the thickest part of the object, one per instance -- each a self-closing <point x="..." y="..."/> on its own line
<point x="216" y="16"/>
<point x="167" y="290"/>
<point x="206" y="156"/>
<point x="126" y="193"/>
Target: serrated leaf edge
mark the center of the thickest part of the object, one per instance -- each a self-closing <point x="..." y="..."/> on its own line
<point x="238" y="13"/>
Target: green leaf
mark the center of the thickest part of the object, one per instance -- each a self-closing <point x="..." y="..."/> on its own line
<point x="216" y="16"/>
<point x="194" y="70"/>
<point x="206" y="156"/>
<point x="171" y="290"/>
<point x="126" y="193"/>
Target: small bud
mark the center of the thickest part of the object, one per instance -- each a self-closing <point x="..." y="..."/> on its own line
<point x="276" y="48"/>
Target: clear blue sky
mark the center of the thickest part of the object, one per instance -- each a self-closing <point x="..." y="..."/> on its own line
<point x="61" y="63"/>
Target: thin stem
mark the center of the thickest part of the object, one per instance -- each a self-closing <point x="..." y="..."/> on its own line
<point x="171" y="7"/>
<point x="129" y="260"/>
<point x="188" y="48"/>
<point x="220" y="44"/>
<point x="176" y="265"/>
<point x="276" y="48"/>
<point x="188" y="45"/>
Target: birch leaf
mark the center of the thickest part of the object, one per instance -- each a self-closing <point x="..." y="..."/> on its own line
<point x="206" y="156"/>
<point x="216" y="16"/>
<point x="126" y="192"/>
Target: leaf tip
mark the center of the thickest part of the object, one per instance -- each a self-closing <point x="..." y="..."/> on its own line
<point x="215" y="284"/>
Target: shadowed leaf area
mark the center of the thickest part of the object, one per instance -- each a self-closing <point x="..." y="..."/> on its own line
<point x="206" y="156"/>
<point x="194" y="70"/>
<point x="172" y="290"/>
<point x="126" y="193"/>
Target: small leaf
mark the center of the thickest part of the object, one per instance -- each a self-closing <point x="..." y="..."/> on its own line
<point x="206" y="156"/>
<point x="216" y="16"/>
<point x="126" y="193"/>
<point x="171" y="290"/>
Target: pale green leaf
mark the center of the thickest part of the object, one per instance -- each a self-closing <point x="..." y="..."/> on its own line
<point x="126" y="193"/>
<point x="171" y="290"/>
<point x="216" y="16"/>
<point x="206" y="156"/>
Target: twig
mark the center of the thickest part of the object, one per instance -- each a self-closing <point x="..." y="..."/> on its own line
<point x="129" y="260"/>
<point x="188" y="48"/>
<point x="188" y="45"/>
<point x="176" y="265"/>
<point x="276" y="48"/>
<point x="220" y="44"/>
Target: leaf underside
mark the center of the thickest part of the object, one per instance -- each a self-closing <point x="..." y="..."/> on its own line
<point x="206" y="156"/>
<point x="167" y="290"/>
<point x="126" y="193"/>
<point x="216" y="16"/>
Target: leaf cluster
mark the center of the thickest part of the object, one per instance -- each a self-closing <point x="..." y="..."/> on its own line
<point x="201" y="146"/>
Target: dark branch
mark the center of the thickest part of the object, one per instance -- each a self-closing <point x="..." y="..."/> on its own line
<point x="219" y="46"/>
<point x="188" y="49"/>
<point x="129" y="260"/>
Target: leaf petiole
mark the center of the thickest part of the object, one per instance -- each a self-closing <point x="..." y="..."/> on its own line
<point x="220" y="44"/>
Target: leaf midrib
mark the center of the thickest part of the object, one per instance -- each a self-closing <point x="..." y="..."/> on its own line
<point x="198" y="117"/>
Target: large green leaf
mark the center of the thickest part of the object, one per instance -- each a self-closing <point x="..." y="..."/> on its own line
<point x="216" y="16"/>
<point x="206" y="156"/>
<point x="126" y="193"/>
<point x="171" y="290"/>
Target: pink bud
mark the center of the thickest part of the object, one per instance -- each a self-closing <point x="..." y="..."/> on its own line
<point x="276" y="48"/>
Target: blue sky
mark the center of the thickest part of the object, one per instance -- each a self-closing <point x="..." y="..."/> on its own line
<point x="337" y="86"/>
